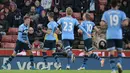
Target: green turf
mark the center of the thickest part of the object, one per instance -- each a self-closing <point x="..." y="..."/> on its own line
<point x="59" y="71"/>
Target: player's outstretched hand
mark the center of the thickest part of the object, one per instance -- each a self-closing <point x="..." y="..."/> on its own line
<point x="26" y="42"/>
<point x="89" y="35"/>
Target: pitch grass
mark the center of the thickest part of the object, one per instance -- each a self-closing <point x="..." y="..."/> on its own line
<point x="59" y="71"/>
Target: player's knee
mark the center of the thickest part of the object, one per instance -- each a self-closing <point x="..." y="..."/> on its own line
<point x="112" y="52"/>
<point x="53" y="50"/>
<point x="67" y="49"/>
<point x="89" y="53"/>
<point x="119" y="49"/>
<point x="111" y="49"/>
<point x="29" y="52"/>
<point x="44" y="50"/>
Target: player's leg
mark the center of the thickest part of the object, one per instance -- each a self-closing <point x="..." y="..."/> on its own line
<point x="111" y="49"/>
<point x="31" y="59"/>
<point x="95" y="56"/>
<point x="72" y="56"/>
<point x="17" y="49"/>
<point x="53" y="46"/>
<point x="67" y="47"/>
<point x="84" y="61"/>
<point x="89" y="49"/>
<point x="27" y="48"/>
<point x="4" y="66"/>
<point x="119" y="47"/>
<point x="86" y="43"/>
<point x="44" y="49"/>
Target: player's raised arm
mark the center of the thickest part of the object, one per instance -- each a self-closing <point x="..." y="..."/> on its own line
<point x="80" y="27"/>
<point x="103" y="20"/>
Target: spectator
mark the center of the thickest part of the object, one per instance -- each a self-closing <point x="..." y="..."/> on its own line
<point x="26" y="8"/>
<point x="31" y="35"/>
<point x="43" y="19"/>
<point x="39" y="8"/>
<point x="39" y="33"/>
<point x="124" y="7"/>
<point x="6" y="11"/>
<point x="37" y="44"/>
<point x="46" y="4"/>
<point x="126" y="36"/>
<point x="32" y="2"/>
<point x="3" y="24"/>
<point x="33" y="14"/>
<point x="66" y="3"/>
<point x="15" y="17"/>
<point x="33" y="24"/>
<point x="1" y="7"/>
<point x="56" y="13"/>
<point x="80" y="5"/>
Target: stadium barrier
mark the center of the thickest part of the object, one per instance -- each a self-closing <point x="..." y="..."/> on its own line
<point x="77" y="52"/>
<point x="22" y="63"/>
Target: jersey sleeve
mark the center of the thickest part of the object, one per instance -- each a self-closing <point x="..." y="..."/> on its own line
<point x="56" y="25"/>
<point x="49" y="26"/>
<point x="82" y="24"/>
<point x="104" y="17"/>
<point x="59" y="21"/>
<point x="20" y="32"/>
<point x="123" y="16"/>
<point x="20" y="29"/>
<point x="76" y="22"/>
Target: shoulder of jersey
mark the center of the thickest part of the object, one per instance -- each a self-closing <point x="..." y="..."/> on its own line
<point x="21" y="25"/>
<point x="121" y="11"/>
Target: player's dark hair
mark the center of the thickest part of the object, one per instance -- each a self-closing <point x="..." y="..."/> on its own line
<point x="114" y="3"/>
<point x="50" y="14"/>
<point x="26" y="17"/>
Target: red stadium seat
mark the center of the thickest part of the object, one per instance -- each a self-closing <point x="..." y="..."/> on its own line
<point x="103" y="2"/>
<point x="8" y="45"/>
<point x="62" y="14"/>
<point x="77" y="15"/>
<point x="6" y="38"/>
<point x="13" y="31"/>
<point x="14" y="38"/>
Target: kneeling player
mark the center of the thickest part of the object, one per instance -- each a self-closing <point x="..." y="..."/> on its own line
<point x="50" y="40"/>
<point x="88" y="26"/>
<point x="22" y="43"/>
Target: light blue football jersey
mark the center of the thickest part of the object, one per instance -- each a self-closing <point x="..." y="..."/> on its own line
<point x="53" y="26"/>
<point x="67" y="23"/>
<point x="23" y="33"/>
<point x="88" y="26"/>
<point x="114" y="19"/>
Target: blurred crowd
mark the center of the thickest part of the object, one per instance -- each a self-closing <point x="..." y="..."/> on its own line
<point x="13" y="11"/>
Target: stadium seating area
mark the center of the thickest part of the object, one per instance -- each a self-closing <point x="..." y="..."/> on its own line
<point x="9" y="40"/>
